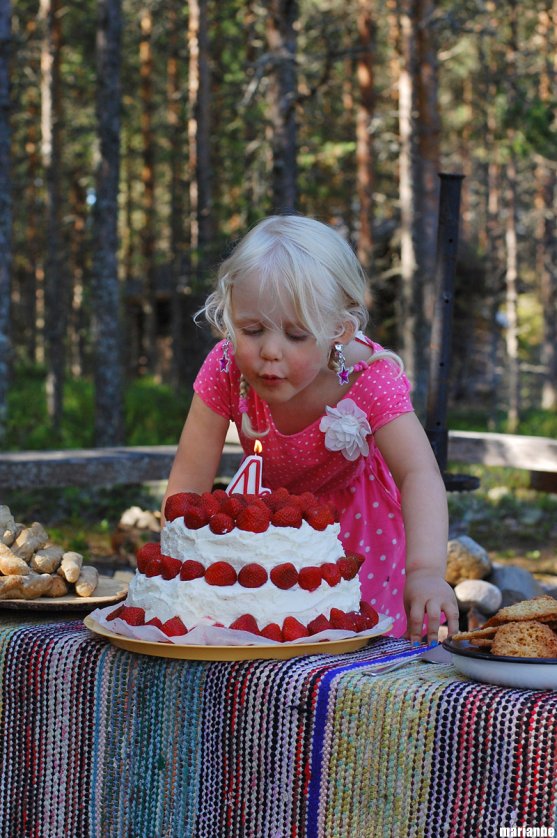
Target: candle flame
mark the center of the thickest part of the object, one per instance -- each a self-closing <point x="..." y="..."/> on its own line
<point x="257" y="448"/>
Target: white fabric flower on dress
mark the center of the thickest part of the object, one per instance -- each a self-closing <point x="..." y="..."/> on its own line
<point x="346" y="428"/>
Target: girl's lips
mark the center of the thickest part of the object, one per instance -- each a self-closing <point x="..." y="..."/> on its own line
<point x="271" y="380"/>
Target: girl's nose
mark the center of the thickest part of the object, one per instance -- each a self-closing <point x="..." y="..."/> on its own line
<point x="270" y="348"/>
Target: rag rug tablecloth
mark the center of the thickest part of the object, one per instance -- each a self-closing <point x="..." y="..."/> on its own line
<point x="97" y="741"/>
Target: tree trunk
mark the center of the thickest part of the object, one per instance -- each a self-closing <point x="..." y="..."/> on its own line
<point x="31" y="281"/>
<point x="547" y="236"/>
<point x="281" y="39"/>
<point x="199" y="100"/>
<point x="419" y="188"/>
<point x="511" y="302"/>
<point x="364" y="135"/>
<point x="429" y="132"/>
<point x="55" y="280"/>
<point x="109" y="423"/>
<point x="148" y="234"/>
<point x="78" y="255"/>
<point x="511" y="245"/>
<point x="197" y="340"/>
<point x="176" y="130"/>
<point x="5" y="211"/>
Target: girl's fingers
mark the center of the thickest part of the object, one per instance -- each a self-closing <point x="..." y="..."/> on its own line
<point x="416" y="622"/>
<point x="450" y="609"/>
<point x="433" y="617"/>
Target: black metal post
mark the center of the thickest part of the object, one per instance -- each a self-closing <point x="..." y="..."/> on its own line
<point x="441" y="333"/>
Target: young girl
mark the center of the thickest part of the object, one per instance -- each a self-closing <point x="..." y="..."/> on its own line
<point x="331" y="407"/>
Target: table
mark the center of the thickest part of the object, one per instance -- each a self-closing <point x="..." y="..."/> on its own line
<point x="98" y="741"/>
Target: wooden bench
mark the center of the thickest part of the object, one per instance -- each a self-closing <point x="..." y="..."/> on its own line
<point x="130" y="465"/>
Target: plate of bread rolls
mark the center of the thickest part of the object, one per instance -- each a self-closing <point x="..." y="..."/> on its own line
<point x="36" y="573"/>
<point x="516" y="647"/>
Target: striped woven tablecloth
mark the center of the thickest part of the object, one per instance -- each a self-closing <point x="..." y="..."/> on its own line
<point x="97" y="741"/>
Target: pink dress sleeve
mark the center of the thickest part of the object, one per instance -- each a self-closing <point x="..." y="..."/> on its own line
<point x="383" y="392"/>
<point x="215" y="387"/>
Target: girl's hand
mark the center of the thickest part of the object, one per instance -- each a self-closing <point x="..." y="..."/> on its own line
<point x="426" y="594"/>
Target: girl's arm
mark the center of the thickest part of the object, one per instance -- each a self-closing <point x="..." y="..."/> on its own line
<point x="408" y="454"/>
<point x="199" y="451"/>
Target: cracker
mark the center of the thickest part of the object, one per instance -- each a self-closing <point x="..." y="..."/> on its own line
<point x="541" y="608"/>
<point x="525" y="639"/>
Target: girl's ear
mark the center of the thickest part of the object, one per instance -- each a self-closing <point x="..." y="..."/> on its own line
<point x="348" y="333"/>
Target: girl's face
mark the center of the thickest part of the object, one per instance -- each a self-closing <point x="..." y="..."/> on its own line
<point x="276" y="355"/>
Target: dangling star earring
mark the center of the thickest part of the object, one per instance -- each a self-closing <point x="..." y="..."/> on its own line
<point x="343" y="371"/>
<point x="224" y="360"/>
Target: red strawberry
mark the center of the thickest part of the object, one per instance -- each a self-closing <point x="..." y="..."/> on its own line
<point x="358" y="558"/>
<point x="281" y="493"/>
<point x="320" y="517"/>
<point x="252" y="575"/>
<point x="174" y="627"/>
<point x="245" y="623"/>
<point x="210" y="503"/>
<point x="320" y="623"/>
<point x="191" y="570"/>
<point x="287" y="516"/>
<point x="348" y="567"/>
<point x="305" y="501"/>
<point x="292" y="629"/>
<point x="220" y="495"/>
<point x="175" y="505"/>
<point x="355" y="621"/>
<point x="195" y="517"/>
<point x="133" y="615"/>
<point x="270" y="501"/>
<point x="153" y="567"/>
<point x="170" y="567"/>
<point x="254" y="518"/>
<point x="331" y="574"/>
<point x="116" y="613"/>
<point x="272" y="632"/>
<point x="221" y="574"/>
<point x="339" y="620"/>
<point x="221" y="523"/>
<point x="154" y="621"/>
<point x="232" y="506"/>
<point x="148" y="551"/>
<point x="360" y="622"/>
<point x="369" y="613"/>
<point x="284" y="576"/>
<point x="309" y="578"/>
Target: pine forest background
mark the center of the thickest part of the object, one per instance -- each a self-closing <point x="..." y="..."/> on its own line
<point x="140" y="138"/>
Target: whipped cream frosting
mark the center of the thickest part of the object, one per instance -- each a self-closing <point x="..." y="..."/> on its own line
<point x="196" y="602"/>
<point x="300" y="545"/>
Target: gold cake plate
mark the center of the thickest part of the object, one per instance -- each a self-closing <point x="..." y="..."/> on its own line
<point x="232" y="653"/>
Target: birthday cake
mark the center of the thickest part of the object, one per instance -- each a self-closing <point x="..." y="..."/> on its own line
<point x="269" y="564"/>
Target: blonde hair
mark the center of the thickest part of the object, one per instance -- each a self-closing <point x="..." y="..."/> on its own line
<point x="308" y="262"/>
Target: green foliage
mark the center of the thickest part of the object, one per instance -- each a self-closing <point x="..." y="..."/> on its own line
<point x="504" y="515"/>
<point x="154" y="414"/>
<point x="533" y="422"/>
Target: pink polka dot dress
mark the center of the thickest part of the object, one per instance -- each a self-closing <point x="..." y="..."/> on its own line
<point x="362" y="489"/>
